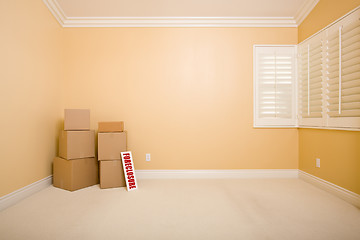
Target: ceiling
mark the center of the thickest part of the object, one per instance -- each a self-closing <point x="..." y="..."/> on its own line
<point x="180" y="13"/>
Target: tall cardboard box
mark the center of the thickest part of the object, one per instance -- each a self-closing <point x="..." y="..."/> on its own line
<point x="77" y="144"/>
<point x="76" y="119"/>
<point x="110" y="145"/>
<point x="75" y="174"/>
<point x="111" y="174"/>
<point x="110" y="127"/>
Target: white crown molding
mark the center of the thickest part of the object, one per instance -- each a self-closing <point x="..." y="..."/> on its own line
<point x="304" y="11"/>
<point x="342" y="193"/>
<point x="18" y="195"/>
<point x="66" y="21"/>
<point x="56" y="11"/>
<point x="178" y="22"/>
<point x="216" y="174"/>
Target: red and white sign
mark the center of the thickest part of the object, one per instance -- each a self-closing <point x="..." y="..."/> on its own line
<point x="129" y="170"/>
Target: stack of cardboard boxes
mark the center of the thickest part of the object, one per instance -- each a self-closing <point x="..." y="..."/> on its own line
<point x="76" y="167"/>
<point x="111" y="142"/>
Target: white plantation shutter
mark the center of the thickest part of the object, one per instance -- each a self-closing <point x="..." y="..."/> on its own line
<point x="275" y="86"/>
<point x="310" y="88"/>
<point x="343" y="73"/>
<point x="328" y="76"/>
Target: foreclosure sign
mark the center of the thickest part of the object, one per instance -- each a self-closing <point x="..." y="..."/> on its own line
<point x="129" y="170"/>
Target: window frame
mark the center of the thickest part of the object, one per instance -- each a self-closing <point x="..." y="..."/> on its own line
<point x="275" y="122"/>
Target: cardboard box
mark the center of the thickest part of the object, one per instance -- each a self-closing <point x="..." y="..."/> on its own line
<point x="77" y="144"/>
<point x="111" y="174"/>
<point x="111" y="126"/>
<point x="110" y="145"/>
<point x="76" y="119"/>
<point x="75" y="174"/>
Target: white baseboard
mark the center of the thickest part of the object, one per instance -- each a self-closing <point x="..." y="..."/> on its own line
<point x="18" y="195"/>
<point x="342" y="193"/>
<point x="351" y="197"/>
<point x="216" y="174"/>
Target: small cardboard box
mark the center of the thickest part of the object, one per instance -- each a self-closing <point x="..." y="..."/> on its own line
<point x="77" y="144"/>
<point x="111" y="174"/>
<point x="111" y="126"/>
<point x="110" y="145"/>
<point x="76" y="119"/>
<point x="75" y="174"/>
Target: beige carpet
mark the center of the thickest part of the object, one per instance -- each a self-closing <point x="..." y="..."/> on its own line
<point x="185" y="209"/>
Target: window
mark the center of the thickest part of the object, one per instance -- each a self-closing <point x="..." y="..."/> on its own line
<point x="274" y="86"/>
<point x="329" y="76"/>
<point x="328" y="80"/>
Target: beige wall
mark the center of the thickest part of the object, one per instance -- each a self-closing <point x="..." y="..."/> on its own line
<point x="324" y="13"/>
<point x="30" y="80"/>
<point x="339" y="151"/>
<point x="185" y="94"/>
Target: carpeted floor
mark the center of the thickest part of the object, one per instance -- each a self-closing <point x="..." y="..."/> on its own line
<point x="185" y="209"/>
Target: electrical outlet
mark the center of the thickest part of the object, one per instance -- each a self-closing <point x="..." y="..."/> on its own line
<point x="317" y="160"/>
<point x="148" y="157"/>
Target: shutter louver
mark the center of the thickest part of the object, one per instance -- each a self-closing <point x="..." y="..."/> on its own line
<point x="275" y="74"/>
<point x="303" y="67"/>
<point x="333" y="72"/>
<point x="315" y="80"/>
<point x="274" y="86"/>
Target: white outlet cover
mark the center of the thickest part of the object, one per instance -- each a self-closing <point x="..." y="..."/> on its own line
<point x="148" y="157"/>
<point x="318" y="162"/>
